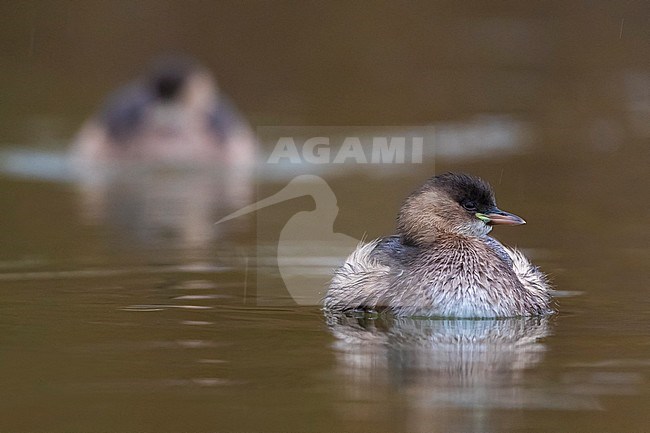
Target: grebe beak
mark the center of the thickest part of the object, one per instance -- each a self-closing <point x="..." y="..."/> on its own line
<point x="498" y="217"/>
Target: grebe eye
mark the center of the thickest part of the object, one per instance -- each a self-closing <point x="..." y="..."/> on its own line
<point x="470" y="206"/>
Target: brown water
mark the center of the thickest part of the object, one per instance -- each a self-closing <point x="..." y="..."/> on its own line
<point x="103" y="331"/>
<point x="124" y="308"/>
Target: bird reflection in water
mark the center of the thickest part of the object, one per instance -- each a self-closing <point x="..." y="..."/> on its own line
<point x="438" y="364"/>
<point x="165" y="157"/>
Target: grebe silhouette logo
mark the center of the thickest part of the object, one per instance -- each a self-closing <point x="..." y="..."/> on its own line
<point x="308" y="247"/>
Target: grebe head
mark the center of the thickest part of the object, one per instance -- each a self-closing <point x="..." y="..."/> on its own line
<point x="451" y="203"/>
<point x="167" y="80"/>
<point x="179" y="79"/>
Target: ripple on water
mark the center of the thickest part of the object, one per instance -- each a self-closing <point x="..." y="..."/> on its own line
<point x="151" y="308"/>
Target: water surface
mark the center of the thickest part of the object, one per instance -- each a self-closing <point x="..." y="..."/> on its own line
<point x="128" y="324"/>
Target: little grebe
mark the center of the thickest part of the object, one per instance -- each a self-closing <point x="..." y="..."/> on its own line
<point x="442" y="262"/>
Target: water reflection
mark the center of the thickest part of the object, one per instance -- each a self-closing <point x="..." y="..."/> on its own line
<point x="481" y="136"/>
<point x="447" y="363"/>
<point x="166" y="207"/>
<point x="452" y="353"/>
<point x="637" y="95"/>
<point x="145" y="204"/>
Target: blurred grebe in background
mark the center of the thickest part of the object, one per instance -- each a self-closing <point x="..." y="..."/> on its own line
<point x="164" y="158"/>
<point x="173" y="114"/>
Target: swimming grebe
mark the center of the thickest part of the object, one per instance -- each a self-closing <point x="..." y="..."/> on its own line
<point x="175" y="113"/>
<point x="442" y="262"/>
